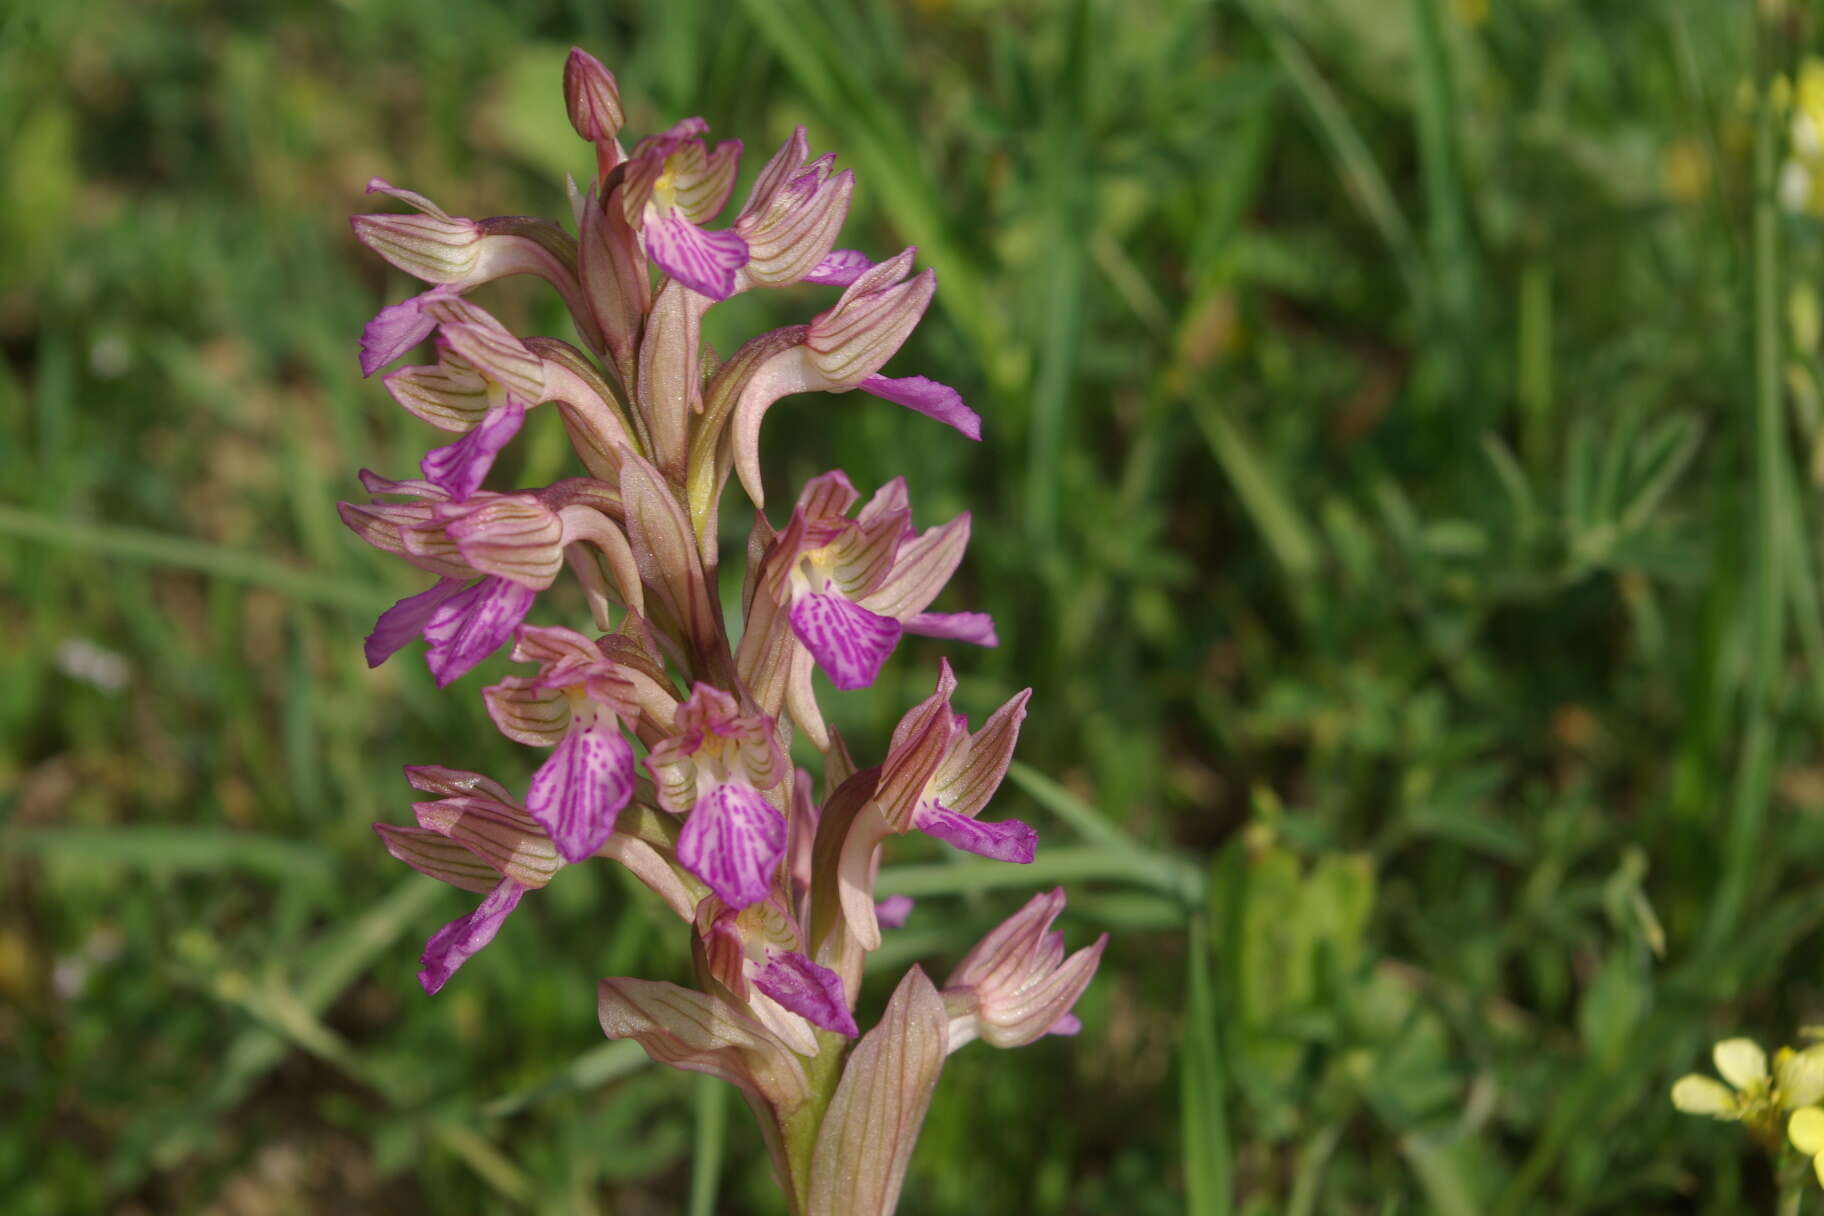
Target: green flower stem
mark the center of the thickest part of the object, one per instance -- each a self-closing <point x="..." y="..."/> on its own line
<point x="799" y="1130"/>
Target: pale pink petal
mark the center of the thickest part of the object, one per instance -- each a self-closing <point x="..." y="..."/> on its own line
<point x="849" y="642"/>
<point x="929" y="398"/>
<point x="461" y="467"/>
<point x="405" y="620"/>
<point x="733" y="841"/>
<point x="892" y="911"/>
<point x="1008" y="840"/>
<point x="396" y="329"/>
<point x="471" y="625"/>
<point x="703" y="261"/>
<point x="454" y="944"/>
<point x="812" y="992"/>
<point x="840" y="267"/>
<point x="577" y="793"/>
<point x="1069" y="1024"/>
<point x="976" y="627"/>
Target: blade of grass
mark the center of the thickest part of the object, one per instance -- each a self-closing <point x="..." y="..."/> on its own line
<point x="1159" y="872"/>
<point x="1441" y="1176"/>
<point x="1447" y="228"/>
<point x="1533" y="382"/>
<point x="710" y="1124"/>
<point x="1291" y="542"/>
<point x="152" y="548"/>
<point x="334" y="965"/>
<point x="1763" y="607"/>
<point x="1208" y="1169"/>
<point x="888" y="155"/>
<point x="1083" y="818"/>
<point x="1067" y="193"/>
<point x="595" y="1067"/>
<point x="493" y="1166"/>
<point x="1355" y="164"/>
<point x="180" y="850"/>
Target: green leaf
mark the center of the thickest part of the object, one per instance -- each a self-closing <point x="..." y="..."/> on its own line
<point x="1208" y="1169"/>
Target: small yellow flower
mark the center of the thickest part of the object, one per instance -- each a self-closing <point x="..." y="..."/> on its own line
<point x="1806" y="1131"/>
<point x="1755" y="1095"/>
<point x="1744" y="1065"/>
<point x="1798" y="1076"/>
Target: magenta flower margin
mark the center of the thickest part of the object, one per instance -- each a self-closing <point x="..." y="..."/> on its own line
<point x="663" y="741"/>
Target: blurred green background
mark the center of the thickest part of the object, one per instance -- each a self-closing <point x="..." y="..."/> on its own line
<point x="1400" y="485"/>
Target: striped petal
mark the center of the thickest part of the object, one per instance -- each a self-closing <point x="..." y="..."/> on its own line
<point x="703" y="261"/>
<point x="840" y="267"/>
<point x="850" y="643"/>
<point x="471" y="625"/>
<point x="813" y="993"/>
<point x="405" y="620"/>
<point x="461" y="467"/>
<point x="733" y="841"/>
<point x="1008" y="840"/>
<point x="394" y="330"/>
<point x="929" y="398"/>
<point x="459" y="941"/>
<point x="577" y="793"/>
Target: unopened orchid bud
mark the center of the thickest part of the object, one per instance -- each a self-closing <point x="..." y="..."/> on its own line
<point x="1016" y="986"/>
<point x="592" y="98"/>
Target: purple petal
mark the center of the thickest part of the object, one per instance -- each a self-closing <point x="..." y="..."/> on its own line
<point x="976" y="627"/>
<point x="892" y="911"/>
<point x="840" y="267"/>
<point x="406" y="620"/>
<point x="454" y="944"/>
<point x="1067" y="1025"/>
<point x="929" y="398"/>
<point x="393" y="331"/>
<point x="849" y="642"/>
<point x="460" y="467"/>
<point x="703" y="261"/>
<point x="1008" y="840"/>
<point x="732" y="841"/>
<point x="470" y="626"/>
<point x="578" y="792"/>
<point x="813" y="993"/>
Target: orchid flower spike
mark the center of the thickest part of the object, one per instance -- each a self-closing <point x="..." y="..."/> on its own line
<point x="772" y="869"/>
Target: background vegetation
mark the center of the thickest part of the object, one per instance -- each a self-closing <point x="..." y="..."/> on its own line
<point x="1402" y="463"/>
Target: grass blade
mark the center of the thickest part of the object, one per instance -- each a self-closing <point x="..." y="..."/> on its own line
<point x="1208" y="1169"/>
<point x="710" y="1107"/>
<point x="152" y="548"/>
